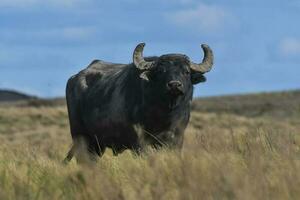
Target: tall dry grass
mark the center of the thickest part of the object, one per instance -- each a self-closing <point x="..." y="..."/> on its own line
<point x="225" y="156"/>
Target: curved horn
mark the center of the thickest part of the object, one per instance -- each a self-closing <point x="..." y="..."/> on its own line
<point x="138" y="58"/>
<point x="207" y="61"/>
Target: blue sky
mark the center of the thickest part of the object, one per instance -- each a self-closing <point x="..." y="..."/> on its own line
<point x="256" y="43"/>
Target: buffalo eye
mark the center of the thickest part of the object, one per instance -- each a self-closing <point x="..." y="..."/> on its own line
<point x="162" y="70"/>
<point x="186" y="72"/>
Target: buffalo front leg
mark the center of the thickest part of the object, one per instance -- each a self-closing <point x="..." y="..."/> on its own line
<point x="70" y="155"/>
<point x="90" y="149"/>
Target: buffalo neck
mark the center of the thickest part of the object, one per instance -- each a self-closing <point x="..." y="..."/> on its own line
<point x="157" y="116"/>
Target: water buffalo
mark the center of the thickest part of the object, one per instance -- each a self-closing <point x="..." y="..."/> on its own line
<point x="129" y="106"/>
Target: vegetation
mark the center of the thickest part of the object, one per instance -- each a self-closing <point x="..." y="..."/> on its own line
<point x="232" y="150"/>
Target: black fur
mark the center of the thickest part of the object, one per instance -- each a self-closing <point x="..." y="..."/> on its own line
<point x="110" y="105"/>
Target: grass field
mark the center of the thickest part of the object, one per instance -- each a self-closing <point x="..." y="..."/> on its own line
<point x="239" y="147"/>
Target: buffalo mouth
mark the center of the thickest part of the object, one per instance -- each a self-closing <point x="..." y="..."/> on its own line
<point x="174" y="102"/>
<point x="175" y="93"/>
<point x="174" y="99"/>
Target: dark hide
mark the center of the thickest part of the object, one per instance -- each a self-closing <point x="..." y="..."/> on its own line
<point x="110" y="105"/>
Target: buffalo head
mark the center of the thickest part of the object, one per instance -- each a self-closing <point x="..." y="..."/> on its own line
<point x="172" y="75"/>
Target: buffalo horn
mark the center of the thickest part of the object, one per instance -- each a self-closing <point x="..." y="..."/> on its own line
<point x="207" y="61"/>
<point x="138" y="58"/>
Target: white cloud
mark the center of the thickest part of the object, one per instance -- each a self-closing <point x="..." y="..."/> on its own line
<point x="285" y="50"/>
<point x="16" y="3"/>
<point x="294" y="3"/>
<point x="183" y="2"/>
<point x="186" y="1"/>
<point x="204" y="18"/>
<point x="69" y="33"/>
<point x="76" y="33"/>
<point x="289" y="47"/>
<point x="32" y="3"/>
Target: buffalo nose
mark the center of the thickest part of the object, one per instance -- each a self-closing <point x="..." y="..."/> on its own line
<point x="173" y="85"/>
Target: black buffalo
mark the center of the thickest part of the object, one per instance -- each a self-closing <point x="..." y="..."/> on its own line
<point x="129" y="106"/>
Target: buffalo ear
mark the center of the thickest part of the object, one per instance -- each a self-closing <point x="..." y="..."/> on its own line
<point x="145" y="75"/>
<point x="197" y="78"/>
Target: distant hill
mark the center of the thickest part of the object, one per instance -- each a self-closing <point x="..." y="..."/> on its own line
<point x="12" y="96"/>
<point x="274" y="104"/>
<point x="15" y="98"/>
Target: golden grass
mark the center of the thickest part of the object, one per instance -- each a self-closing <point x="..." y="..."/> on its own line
<point x="225" y="156"/>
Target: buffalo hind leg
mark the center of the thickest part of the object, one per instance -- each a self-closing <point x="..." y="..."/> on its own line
<point x="88" y="150"/>
<point x="70" y="155"/>
<point x="76" y="150"/>
<point x="83" y="151"/>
